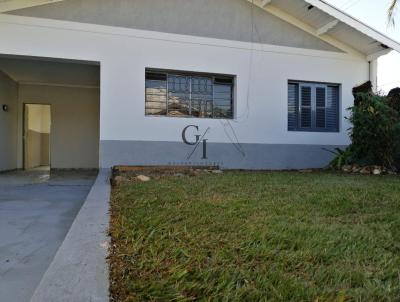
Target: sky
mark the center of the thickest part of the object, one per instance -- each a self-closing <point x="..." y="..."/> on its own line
<point x="374" y="13"/>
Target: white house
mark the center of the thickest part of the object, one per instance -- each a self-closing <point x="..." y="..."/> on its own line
<point x="248" y="84"/>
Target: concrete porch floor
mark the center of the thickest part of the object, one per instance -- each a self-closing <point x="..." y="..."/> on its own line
<point x="36" y="212"/>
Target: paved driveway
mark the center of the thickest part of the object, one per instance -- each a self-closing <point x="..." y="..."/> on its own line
<point x="36" y="212"/>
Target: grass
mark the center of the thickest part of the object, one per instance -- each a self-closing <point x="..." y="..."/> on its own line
<point x="245" y="236"/>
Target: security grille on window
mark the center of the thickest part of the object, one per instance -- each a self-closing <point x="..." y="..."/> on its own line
<point x="189" y="95"/>
<point x="313" y="107"/>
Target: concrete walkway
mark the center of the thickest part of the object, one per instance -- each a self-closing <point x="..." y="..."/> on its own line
<point x="36" y="212"/>
<point x="79" y="271"/>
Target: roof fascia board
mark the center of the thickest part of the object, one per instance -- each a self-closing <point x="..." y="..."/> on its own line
<point x="356" y="24"/>
<point x="307" y="28"/>
<point x="11" y="5"/>
<point x="378" y="54"/>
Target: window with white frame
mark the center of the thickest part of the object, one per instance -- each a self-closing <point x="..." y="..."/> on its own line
<point x="313" y="107"/>
<point x="184" y="94"/>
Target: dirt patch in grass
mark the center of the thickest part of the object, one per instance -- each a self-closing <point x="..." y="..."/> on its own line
<point x="129" y="174"/>
<point x="243" y="236"/>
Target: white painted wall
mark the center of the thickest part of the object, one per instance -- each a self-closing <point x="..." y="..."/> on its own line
<point x="74" y="136"/>
<point x="8" y="123"/>
<point x="261" y="96"/>
<point x="262" y="73"/>
<point x="222" y="19"/>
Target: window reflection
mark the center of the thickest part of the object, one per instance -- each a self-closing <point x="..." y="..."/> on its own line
<point x="187" y="95"/>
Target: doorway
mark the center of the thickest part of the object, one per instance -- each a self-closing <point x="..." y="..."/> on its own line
<point x="37" y="129"/>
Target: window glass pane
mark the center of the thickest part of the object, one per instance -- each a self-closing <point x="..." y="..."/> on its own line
<point x="223" y="101"/>
<point x="202" y="97"/>
<point x="156" y="94"/>
<point x="156" y="76"/>
<point x="178" y="95"/>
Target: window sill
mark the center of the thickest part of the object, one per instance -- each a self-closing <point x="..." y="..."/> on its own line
<point x="314" y="131"/>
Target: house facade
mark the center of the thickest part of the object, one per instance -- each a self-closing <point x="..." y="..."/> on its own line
<point x="234" y="83"/>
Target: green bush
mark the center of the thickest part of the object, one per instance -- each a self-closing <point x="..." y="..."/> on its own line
<point x="342" y="158"/>
<point x="376" y="131"/>
<point x="394" y="99"/>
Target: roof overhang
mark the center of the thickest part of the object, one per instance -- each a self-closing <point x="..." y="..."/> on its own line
<point x="316" y="17"/>
<point x="331" y="25"/>
<point x="10" y="5"/>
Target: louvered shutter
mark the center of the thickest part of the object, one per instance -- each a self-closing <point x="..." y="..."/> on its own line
<point x="293" y="105"/>
<point x="305" y="106"/>
<point x="332" y="109"/>
<point x="320" y="107"/>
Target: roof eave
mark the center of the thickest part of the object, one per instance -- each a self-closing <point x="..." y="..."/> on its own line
<point x="265" y="5"/>
<point x="356" y="24"/>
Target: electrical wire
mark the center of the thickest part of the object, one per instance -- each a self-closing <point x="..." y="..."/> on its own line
<point x="251" y="61"/>
<point x="235" y="140"/>
<point x="388" y="84"/>
<point x="350" y="4"/>
<point x="238" y="146"/>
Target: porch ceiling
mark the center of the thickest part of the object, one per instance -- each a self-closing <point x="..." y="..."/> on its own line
<point x="50" y="72"/>
<point x="9" y="5"/>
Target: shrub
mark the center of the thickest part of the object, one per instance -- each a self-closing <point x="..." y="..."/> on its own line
<point x="342" y="158"/>
<point x="394" y="99"/>
<point x="394" y="102"/>
<point x="359" y="90"/>
<point x="376" y="131"/>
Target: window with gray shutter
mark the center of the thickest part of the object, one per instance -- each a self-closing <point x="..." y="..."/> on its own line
<point x="313" y="107"/>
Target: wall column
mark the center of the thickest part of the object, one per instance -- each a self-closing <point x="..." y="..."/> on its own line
<point x="373" y="74"/>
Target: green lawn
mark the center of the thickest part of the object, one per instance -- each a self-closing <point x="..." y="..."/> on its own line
<point x="245" y="236"/>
